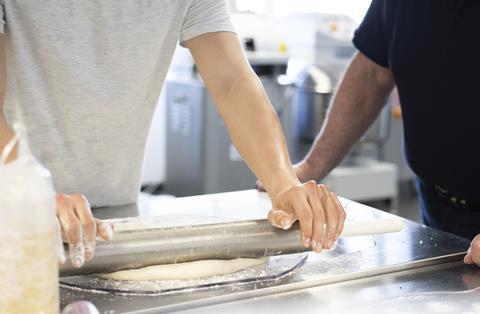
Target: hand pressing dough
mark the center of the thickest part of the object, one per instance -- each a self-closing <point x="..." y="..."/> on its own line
<point x="186" y="271"/>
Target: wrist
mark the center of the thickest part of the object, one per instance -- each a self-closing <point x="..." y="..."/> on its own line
<point x="310" y="168"/>
<point x="278" y="185"/>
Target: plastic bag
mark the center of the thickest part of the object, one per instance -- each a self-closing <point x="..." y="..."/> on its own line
<point x="28" y="233"/>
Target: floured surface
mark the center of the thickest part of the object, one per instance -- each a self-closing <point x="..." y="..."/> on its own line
<point x="174" y="278"/>
<point x="273" y="271"/>
<point x="353" y="257"/>
<point x="186" y="271"/>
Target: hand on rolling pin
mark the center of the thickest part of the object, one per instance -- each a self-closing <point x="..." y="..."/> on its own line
<point x="473" y="253"/>
<point x="318" y="210"/>
<point x="79" y="228"/>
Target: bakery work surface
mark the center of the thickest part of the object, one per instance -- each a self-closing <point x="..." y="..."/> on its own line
<point x="417" y="269"/>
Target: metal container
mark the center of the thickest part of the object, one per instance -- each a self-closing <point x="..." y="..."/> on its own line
<point x="313" y="89"/>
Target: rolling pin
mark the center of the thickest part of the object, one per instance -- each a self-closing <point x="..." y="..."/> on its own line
<point x="253" y="238"/>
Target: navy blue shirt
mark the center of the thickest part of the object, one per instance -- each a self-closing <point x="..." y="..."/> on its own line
<point x="432" y="48"/>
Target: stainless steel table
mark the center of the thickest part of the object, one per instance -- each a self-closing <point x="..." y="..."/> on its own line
<point x="389" y="271"/>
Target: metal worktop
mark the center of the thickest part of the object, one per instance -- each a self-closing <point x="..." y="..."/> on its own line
<point x="359" y="273"/>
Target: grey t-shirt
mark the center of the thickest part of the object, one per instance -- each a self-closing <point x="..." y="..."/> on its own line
<point x="85" y="76"/>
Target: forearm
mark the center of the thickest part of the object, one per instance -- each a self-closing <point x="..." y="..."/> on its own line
<point x="241" y="101"/>
<point x="256" y="132"/>
<point x="5" y="132"/>
<point x="360" y="97"/>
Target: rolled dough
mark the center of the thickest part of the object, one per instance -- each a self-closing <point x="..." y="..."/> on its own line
<point x="186" y="271"/>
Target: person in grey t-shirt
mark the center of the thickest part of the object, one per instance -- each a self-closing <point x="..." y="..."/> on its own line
<point x="85" y="76"/>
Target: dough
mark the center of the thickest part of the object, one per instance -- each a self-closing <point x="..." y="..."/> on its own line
<point x="186" y="271"/>
<point x="180" y="271"/>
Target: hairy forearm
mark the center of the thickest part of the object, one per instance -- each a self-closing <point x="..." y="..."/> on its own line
<point x="256" y="132"/>
<point x="359" y="99"/>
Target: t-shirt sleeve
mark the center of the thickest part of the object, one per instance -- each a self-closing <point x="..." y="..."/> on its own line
<point x="370" y="37"/>
<point x="206" y="16"/>
<point x="2" y="17"/>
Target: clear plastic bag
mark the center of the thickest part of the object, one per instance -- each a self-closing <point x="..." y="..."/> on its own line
<point x="28" y="233"/>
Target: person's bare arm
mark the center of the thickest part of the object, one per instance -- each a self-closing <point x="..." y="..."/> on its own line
<point x="246" y="109"/>
<point x="256" y="132"/>
<point x="5" y="131"/>
<point x="359" y="99"/>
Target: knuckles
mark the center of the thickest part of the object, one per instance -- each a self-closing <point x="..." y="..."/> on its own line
<point x="62" y="199"/>
<point x="67" y="200"/>
<point x="311" y="185"/>
<point x="476" y="246"/>
<point x="80" y="198"/>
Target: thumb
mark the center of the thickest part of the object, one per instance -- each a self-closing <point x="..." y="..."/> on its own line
<point x="281" y="219"/>
<point x="468" y="259"/>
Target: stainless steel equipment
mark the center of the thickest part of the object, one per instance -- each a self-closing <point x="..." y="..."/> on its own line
<point x="361" y="269"/>
<point x="140" y="247"/>
<point x="313" y="89"/>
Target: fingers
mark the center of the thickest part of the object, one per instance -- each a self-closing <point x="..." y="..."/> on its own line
<point x="473" y="253"/>
<point x="468" y="258"/>
<point x="60" y="249"/>
<point x="319" y="222"/>
<point x="104" y="229"/>
<point x="72" y="229"/>
<point x="293" y="205"/>
<point x="304" y="211"/>
<point x="318" y="210"/>
<point x="281" y="219"/>
<point x="331" y="215"/>
<point x="80" y="228"/>
<point x="89" y="227"/>
<point x="342" y="215"/>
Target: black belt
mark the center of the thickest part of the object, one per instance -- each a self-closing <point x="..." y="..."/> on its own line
<point x="453" y="199"/>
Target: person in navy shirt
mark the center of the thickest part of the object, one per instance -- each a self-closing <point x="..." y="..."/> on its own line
<point x="430" y="51"/>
